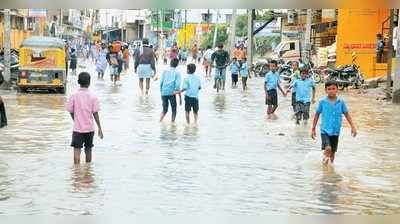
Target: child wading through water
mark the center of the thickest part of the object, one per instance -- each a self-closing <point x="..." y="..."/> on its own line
<point x="302" y="88"/>
<point x="191" y="87"/>
<point x="83" y="107"/>
<point x="112" y="59"/>
<point x="169" y="84"/>
<point x="272" y="82"/>
<point x="295" y="76"/>
<point x="331" y="107"/>
<point x="244" y="73"/>
<point x="234" y="66"/>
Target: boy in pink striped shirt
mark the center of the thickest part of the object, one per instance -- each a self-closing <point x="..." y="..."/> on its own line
<point x="83" y="107"/>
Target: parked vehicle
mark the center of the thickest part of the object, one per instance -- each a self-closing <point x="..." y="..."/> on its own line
<point x="260" y="68"/>
<point x="346" y="75"/>
<point x="42" y="64"/>
<point x="284" y="69"/>
<point x="287" y="51"/>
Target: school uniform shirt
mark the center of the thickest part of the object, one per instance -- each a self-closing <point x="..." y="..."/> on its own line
<point x="332" y="114"/>
<point x="295" y="76"/>
<point x="303" y="90"/>
<point x="234" y="67"/>
<point x="272" y="80"/>
<point x="192" y="85"/>
<point x="170" y="82"/>
<point x="83" y="104"/>
<point x="244" y="70"/>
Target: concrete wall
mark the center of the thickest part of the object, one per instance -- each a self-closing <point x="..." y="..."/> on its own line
<point x="357" y="29"/>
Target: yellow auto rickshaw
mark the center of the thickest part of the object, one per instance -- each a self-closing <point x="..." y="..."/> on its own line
<point x="42" y="64"/>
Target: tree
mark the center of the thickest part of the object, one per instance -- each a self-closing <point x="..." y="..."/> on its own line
<point x="241" y="25"/>
<point x="207" y="38"/>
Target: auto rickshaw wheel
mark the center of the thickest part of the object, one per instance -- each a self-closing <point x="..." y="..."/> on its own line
<point x="61" y="90"/>
<point x="21" y="90"/>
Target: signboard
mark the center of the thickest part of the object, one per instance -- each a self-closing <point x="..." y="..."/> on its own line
<point x="271" y="30"/>
<point x="37" y="12"/>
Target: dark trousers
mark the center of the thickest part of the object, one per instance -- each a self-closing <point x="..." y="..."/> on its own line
<point x="3" y="117"/>
<point x="172" y="101"/>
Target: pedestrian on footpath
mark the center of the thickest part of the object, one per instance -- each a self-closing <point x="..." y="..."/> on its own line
<point x="272" y="83"/>
<point x="101" y="62"/>
<point x="83" y="106"/>
<point x="303" y="88"/>
<point x="112" y="58"/>
<point x="331" y="107"/>
<point x="234" y="67"/>
<point x="169" y="84"/>
<point x="191" y="86"/>
<point x="244" y="73"/>
<point x="145" y="65"/>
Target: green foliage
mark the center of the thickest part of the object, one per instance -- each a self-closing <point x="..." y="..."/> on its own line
<point x="208" y="38"/>
<point x="264" y="44"/>
<point x="241" y="26"/>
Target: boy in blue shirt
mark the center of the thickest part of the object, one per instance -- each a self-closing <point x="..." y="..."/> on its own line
<point x="234" y="66"/>
<point x="191" y="87"/>
<point x="170" y="83"/>
<point x="244" y="73"/>
<point x="302" y="87"/>
<point x="272" y="82"/>
<point x="331" y="107"/>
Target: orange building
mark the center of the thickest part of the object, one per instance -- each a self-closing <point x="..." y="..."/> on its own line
<point x="356" y="32"/>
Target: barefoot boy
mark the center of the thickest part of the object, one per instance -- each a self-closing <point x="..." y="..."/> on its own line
<point x="331" y="107"/>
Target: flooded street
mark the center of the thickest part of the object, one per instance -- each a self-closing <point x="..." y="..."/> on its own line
<point x="234" y="161"/>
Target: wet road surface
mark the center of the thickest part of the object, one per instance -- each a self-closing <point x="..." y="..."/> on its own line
<point x="234" y="161"/>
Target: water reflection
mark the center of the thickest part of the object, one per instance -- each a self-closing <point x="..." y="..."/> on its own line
<point x="82" y="177"/>
<point x="168" y="134"/>
<point x="233" y="154"/>
<point x="329" y="189"/>
<point x="219" y="102"/>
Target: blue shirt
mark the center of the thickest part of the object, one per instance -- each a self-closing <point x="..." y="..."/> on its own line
<point x="332" y="114"/>
<point x="170" y="82"/>
<point x="244" y="70"/>
<point x="272" y="80"/>
<point x="234" y="67"/>
<point x="191" y="86"/>
<point x="303" y="89"/>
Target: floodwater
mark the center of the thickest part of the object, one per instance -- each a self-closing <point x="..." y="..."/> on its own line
<point x="235" y="161"/>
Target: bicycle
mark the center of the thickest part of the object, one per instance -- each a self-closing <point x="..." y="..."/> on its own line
<point x="219" y="78"/>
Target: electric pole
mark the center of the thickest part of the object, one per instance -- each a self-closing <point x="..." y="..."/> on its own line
<point x="389" y="56"/>
<point x="250" y="36"/>
<point x="7" y="48"/>
<point x="216" y="30"/>
<point x="396" y="78"/>
<point x="307" y="37"/>
<point x="233" y="30"/>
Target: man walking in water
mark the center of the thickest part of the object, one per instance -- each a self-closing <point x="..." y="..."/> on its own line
<point x="221" y="58"/>
<point x="145" y="64"/>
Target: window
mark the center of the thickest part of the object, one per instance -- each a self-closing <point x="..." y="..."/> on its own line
<point x="228" y="18"/>
<point x="292" y="46"/>
<point x="31" y="23"/>
<point x="206" y="18"/>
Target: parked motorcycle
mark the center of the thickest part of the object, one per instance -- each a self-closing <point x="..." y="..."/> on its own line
<point x="347" y="75"/>
<point x="260" y="68"/>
